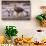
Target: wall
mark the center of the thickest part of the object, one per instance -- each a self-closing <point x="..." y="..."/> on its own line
<point x="25" y="27"/>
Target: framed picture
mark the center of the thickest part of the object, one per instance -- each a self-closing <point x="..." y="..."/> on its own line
<point x="16" y="10"/>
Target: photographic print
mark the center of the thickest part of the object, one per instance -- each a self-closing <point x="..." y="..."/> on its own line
<point x="16" y="10"/>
